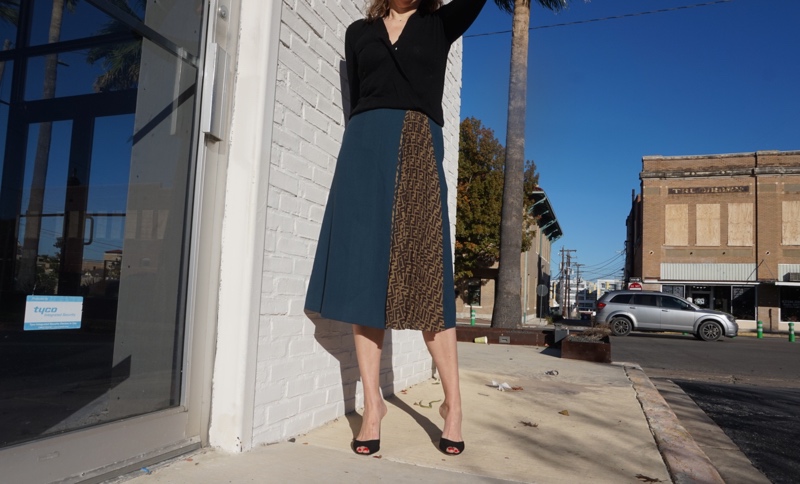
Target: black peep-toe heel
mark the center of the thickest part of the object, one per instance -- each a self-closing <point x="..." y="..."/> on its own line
<point x="371" y="445"/>
<point x="445" y="444"/>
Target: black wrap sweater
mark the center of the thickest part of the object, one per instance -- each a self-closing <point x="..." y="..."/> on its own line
<point x="408" y="74"/>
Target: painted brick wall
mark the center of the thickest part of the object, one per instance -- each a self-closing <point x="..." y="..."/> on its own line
<point x="307" y="372"/>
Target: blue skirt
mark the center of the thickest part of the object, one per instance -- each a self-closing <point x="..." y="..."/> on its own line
<point x="383" y="258"/>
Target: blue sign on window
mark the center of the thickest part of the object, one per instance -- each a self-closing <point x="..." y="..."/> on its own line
<point x="53" y="312"/>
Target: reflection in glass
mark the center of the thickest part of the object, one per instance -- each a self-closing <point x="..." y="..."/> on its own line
<point x="44" y="190"/>
<point x="106" y="67"/>
<point x="790" y="304"/>
<point x="94" y="203"/>
<point x="6" y="69"/>
<point x="9" y="16"/>
<point x="743" y="302"/>
<point x="71" y="19"/>
<point x="180" y="21"/>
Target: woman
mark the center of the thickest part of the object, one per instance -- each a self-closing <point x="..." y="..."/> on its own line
<point x="383" y="259"/>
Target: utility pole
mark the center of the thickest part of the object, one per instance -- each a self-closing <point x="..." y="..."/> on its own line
<point x="577" y="282"/>
<point x="565" y="273"/>
<point x="561" y="288"/>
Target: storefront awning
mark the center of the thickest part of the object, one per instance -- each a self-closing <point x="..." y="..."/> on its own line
<point x="548" y="223"/>
<point x="703" y="283"/>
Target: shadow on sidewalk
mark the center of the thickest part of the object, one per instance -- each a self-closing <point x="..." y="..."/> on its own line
<point x="555" y="352"/>
<point x="433" y="430"/>
<point x="337" y="339"/>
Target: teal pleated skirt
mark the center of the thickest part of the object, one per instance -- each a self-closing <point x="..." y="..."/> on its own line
<point x="383" y="259"/>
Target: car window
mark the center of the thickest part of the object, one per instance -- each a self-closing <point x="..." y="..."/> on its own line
<point x="673" y="303"/>
<point x="622" y="298"/>
<point x="645" y="300"/>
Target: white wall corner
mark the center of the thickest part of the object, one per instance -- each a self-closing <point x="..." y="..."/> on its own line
<point x="243" y="230"/>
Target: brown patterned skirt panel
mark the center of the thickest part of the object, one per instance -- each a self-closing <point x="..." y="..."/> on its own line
<point x="414" y="299"/>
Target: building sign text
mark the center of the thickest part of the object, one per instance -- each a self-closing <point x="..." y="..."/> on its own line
<point x="708" y="190"/>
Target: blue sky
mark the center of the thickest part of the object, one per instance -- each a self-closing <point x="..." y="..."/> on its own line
<point x="719" y="78"/>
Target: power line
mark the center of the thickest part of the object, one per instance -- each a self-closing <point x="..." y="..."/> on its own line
<point x="610" y="274"/>
<point x="614" y="17"/>
<point x="600" y="274"/>
<point x="600" y="265"/>
<point x="605" y="269"/>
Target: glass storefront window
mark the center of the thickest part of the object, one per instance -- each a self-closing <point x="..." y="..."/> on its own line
<point x="743" y="302"/>
<point x="474" y="292"/>
<point x="78" y="19"/>
<point x="97" y="165"/>
<point x="672" y="289"/>
<point x="790" y="304"/>
<point x="9" y="15"/>
<point x="721" y="297"/>
<point x="104" y="68"/>
<point x="6" y="69"/>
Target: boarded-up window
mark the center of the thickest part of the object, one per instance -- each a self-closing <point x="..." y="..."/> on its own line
<point x="740" y="224"/>
<point x="791" y="223"/>
<point x="676" y="226"/>
<point x="707" y="223"/>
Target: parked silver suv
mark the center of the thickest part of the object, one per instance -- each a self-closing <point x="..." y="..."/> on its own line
<point x="625" y="311"/>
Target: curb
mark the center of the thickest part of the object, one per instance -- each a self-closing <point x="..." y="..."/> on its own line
<point x="752" y="334"/>
<point x="686" y="462"/>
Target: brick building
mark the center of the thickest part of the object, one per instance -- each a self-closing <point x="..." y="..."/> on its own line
<point x="216" y="168"/>
<point x="723" y="230"/>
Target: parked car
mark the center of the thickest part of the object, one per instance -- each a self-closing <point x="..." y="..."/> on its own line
<point x="626" y="311"/>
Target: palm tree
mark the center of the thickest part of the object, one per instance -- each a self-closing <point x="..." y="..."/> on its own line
<point x="507" y="311"/>
<point x="9" y="11"/>
<point x="122" y="72"/>
<point x="33" y="218"/>
<point x="121" y="60"/>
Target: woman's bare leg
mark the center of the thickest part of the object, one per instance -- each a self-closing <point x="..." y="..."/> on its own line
<point x="444" y="350"/>
<point x="369" y="343"/>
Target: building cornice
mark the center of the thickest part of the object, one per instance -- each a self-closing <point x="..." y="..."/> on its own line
<point x="755" y="171"/>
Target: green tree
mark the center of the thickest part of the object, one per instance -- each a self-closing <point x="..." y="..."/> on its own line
<point x="508" y="304"/>
<point x="529" y="222"/>
<point x="479" y="201"/>
<point x="121" y="60"/>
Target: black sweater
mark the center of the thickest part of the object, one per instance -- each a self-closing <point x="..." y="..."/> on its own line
<point x="408" y="74"/>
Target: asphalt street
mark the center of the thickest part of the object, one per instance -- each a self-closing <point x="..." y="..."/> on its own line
<point x="763" y="422"/>
<point x="747" y="386"/>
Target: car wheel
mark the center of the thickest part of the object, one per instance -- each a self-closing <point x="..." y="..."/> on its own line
<point x="620" y="326"/>
<point x="709" y="331"/>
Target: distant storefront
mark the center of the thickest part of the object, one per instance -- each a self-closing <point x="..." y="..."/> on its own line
<point x="722" y="230"/>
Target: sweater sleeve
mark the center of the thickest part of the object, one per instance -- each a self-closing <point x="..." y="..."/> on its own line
<point x="458" y="15"/>
<point x="351" y="62"/>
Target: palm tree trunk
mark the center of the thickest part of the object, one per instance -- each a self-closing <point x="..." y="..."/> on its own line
<point x="6" y="46"/>
<point x="33" y="215"/>
<point x="507" y="311"/>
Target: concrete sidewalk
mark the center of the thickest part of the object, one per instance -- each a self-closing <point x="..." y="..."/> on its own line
<point x="571" y="421"/>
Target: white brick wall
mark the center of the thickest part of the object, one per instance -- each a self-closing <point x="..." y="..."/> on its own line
<point x="307" y="371"/>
